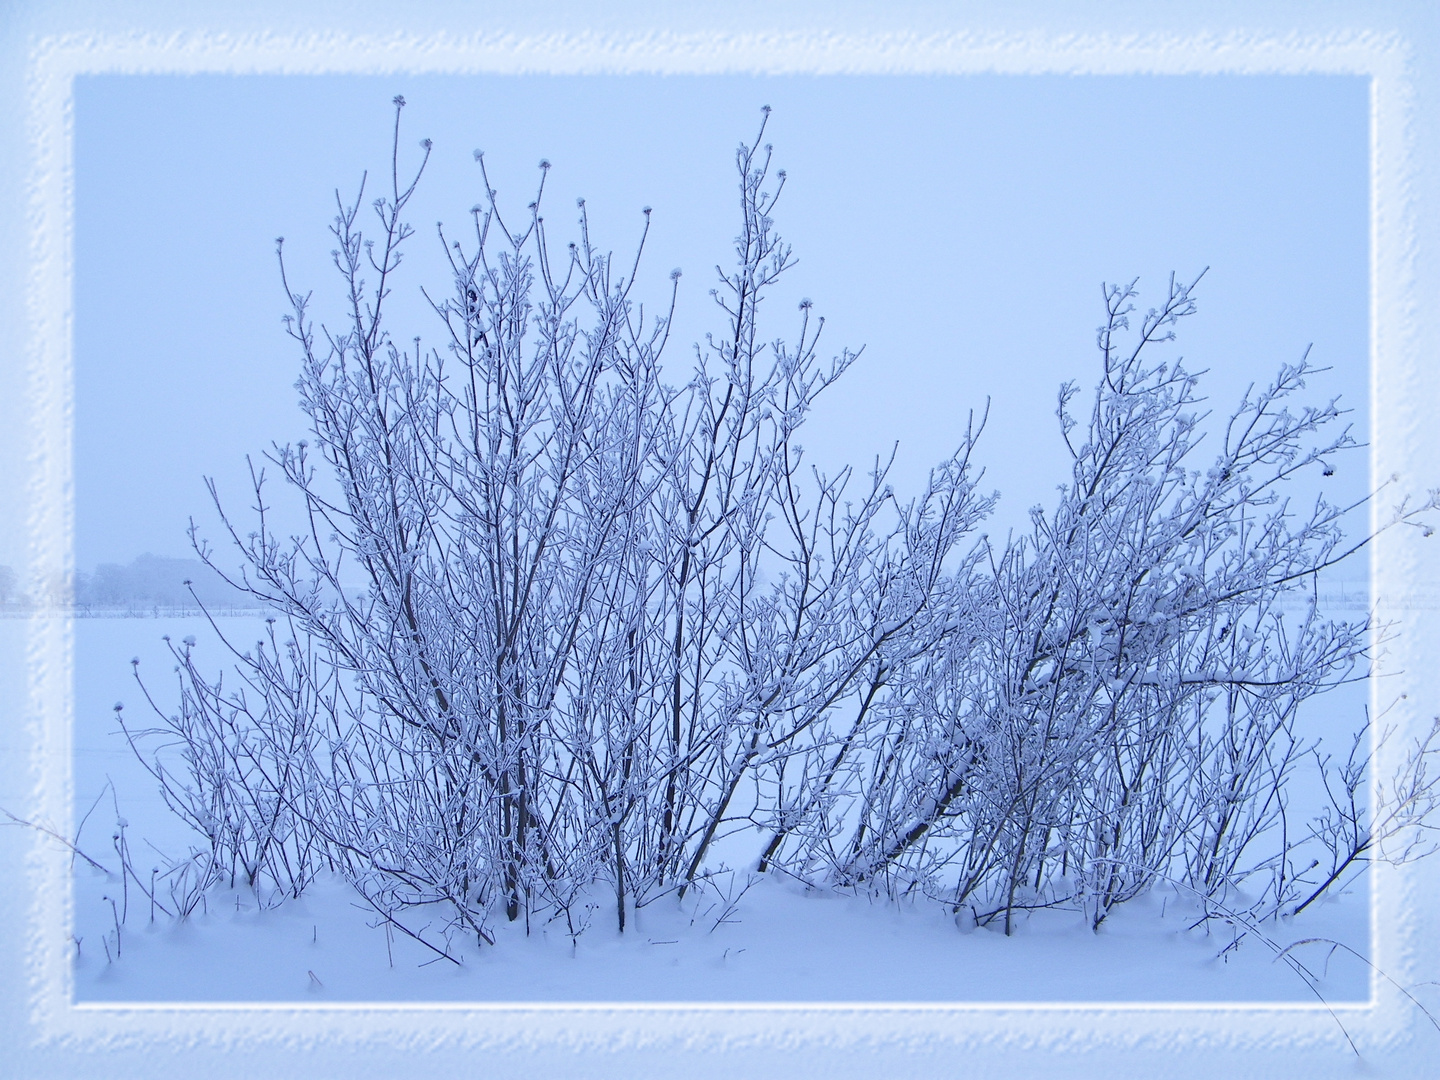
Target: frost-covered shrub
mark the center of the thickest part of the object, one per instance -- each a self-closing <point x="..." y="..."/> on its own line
<point x="607" y="621"/>
<point x="1115" y="697"/>
<point x="597" y="605"/>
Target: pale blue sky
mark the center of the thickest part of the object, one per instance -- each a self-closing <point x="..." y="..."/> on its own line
<point x="957" y="227"/>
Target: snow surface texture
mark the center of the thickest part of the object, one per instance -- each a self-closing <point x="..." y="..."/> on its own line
<point x="775" y="945"/>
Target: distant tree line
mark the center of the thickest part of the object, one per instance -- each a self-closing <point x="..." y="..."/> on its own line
<point x="147" y="582"/>
<point x="156" y="581"/>
<point x="9" y="588"/>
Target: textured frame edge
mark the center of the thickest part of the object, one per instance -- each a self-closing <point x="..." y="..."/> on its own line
<point x="1397" y="387"/>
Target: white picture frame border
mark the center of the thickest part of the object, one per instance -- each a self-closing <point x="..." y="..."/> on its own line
<point x="59" y="1037"/>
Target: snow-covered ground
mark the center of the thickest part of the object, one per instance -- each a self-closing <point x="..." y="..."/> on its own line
<point x="768" y="942"/>
<point x="777" y="945"/>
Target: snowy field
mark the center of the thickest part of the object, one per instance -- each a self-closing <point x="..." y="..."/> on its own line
<point x="746" y="939"/>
